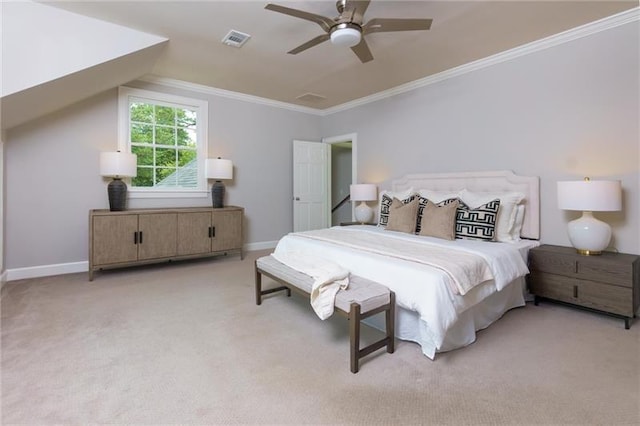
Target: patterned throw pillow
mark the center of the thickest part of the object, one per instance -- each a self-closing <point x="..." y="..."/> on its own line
<point x="385" y="205"/>
<point x="478" y="223"/>
<point x="422" y="202"/>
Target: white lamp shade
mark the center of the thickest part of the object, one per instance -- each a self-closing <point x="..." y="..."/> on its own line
<point x="363" y="192"/>
<point x="219" y="168"/>
<point x="118" y="164"/>
<point x="346" y="37"/>
<point x="590" y="195"/>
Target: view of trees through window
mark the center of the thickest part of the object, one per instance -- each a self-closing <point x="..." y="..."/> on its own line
<point x="165" y="140"/>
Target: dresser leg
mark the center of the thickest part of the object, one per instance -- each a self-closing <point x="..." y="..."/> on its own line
<point x="536" y="300"/>
<point x="627" y="323"/>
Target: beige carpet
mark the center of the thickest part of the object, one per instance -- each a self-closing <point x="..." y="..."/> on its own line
<point x="185" y="343"/>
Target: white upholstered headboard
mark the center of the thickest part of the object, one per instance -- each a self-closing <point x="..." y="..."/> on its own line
<point x="498" y="181"/>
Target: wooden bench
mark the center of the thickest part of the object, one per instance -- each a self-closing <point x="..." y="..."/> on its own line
<point x="362" y="299"/>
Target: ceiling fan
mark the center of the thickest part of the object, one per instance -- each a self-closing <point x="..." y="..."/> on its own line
<point x="349" y="29"/>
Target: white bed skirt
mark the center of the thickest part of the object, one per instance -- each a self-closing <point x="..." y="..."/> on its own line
<point x="463" y="332"/>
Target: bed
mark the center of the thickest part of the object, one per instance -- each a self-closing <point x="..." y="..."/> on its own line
<point x="436" y="307"/>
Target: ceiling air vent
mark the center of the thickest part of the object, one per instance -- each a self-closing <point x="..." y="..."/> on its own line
<point x="311" y="97"/>
<point x="235" y="38"/>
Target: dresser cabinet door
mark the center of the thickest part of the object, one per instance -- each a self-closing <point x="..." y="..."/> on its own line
<point x="114" y="239"/>
<point x="158" y="235"/>
<point x="194" y="233"/>
<point x="227" y="230"/>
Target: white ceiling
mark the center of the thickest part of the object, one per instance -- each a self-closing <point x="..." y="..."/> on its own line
<point x="462" y="31"/>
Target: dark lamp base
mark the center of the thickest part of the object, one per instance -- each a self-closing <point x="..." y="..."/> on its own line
<point x="117" y="191"/>
<point x="217" y="194"/>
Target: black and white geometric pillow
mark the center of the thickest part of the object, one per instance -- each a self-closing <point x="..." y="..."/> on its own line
<point x="422" y="202"/>
<point x="478" y="223"/>
<point x="385" y="204"/>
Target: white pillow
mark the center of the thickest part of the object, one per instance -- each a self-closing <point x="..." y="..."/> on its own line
<point x="437" y="196"/>
<point x="400" y="195"/>
<point x="506" y="214"/>
<point x="517" y="223"/>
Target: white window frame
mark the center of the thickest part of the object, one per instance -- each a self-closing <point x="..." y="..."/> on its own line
<point x="201" y="108"/>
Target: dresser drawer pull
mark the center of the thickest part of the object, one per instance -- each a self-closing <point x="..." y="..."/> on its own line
<point x="575" y="291"/>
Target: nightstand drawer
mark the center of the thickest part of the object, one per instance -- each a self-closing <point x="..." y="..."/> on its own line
<point x="590" y="294"/>
<point x="553" y="263"/>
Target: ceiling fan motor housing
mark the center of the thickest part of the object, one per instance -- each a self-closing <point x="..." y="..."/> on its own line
<point x="346" y="34"/>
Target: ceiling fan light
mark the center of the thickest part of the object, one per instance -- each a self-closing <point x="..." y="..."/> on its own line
<point x="346" y="37"/>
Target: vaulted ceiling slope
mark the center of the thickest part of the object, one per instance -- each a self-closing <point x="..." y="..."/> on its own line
<point x="53" y="58"/>
<point x="325" y="75"/>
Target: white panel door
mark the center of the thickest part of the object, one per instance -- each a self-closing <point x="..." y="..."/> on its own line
<point x="310" y="183"/>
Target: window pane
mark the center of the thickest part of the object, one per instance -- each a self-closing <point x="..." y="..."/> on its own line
<point x="141" y="133"/>
<point x="165" y="115"/>
<point x="186" y="118"/>
<point x="141" y="112"/>
<point x="144" y="153"/>
<point x="165" y="157"/>
<point x="144" y="177"/>
<point x="165" y="136"/>
<point x="186" y="156"/>
<point x="187" y="138"/>
<point x="165" y="176"/>
<point x="188" y="175"/>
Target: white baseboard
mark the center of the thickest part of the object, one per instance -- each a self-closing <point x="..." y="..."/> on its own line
<point x="74" y="267"/>
<point x="260" y="246"/>
<point x="46" y="270"/>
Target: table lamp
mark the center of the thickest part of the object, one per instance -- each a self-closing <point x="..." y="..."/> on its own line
<point x="587" y="234"/>
<point x="218" y="169"/>
<point x="363" y="192"/>
<point x="117" y="165"/>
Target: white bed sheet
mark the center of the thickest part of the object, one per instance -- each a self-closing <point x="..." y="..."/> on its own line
<point x="429" y="312"/>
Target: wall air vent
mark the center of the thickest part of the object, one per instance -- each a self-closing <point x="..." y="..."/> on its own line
<point x="311" y="97"/>
<point x="235" y="38"/>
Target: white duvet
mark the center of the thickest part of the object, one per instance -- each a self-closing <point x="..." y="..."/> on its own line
<point x="418" y="286"/>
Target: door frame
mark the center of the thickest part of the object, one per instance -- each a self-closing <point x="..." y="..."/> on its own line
<point x="348" y="137"/>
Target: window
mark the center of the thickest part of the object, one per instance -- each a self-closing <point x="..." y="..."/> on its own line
<point x="168" y="134"/>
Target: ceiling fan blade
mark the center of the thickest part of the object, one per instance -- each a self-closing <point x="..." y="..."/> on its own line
<point x="313" y="42"/>
<point x="379" y="25"/>
<point x="356" y="9"/>
<point x="362" y="51"/>
<point x="323" y="21"/>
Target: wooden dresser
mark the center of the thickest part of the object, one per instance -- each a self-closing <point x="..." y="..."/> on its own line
<point x="609" y="283"/>
<point x="134" y="237"/>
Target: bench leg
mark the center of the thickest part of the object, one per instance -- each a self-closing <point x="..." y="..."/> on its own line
<point x="260" y="292"/>
<point x="258" y="286"/>
<point x="354" y="332"/>
<point x="390" y="316"/>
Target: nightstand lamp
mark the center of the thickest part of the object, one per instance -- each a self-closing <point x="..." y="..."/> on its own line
<point x="589" y="235"/>
<point x="218" y="169"/>
<point x="118" y="165"/>
<point x="363" y="192"/>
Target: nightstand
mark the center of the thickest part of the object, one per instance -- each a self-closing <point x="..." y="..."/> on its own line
<point x="608" y="283"/>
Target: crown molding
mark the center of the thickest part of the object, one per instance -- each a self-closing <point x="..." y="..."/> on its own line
<point x="586" y="30"/>
<point x="591" y="28"/>
<point x="200" y="88"/>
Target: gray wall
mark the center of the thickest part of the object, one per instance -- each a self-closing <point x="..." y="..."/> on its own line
<point x="53" y="180"/>
<point x="562" y="113"/>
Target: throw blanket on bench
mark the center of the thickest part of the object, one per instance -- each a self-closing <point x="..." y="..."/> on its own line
<point x="465" y="270"/>
<point x="328" y="277"/>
